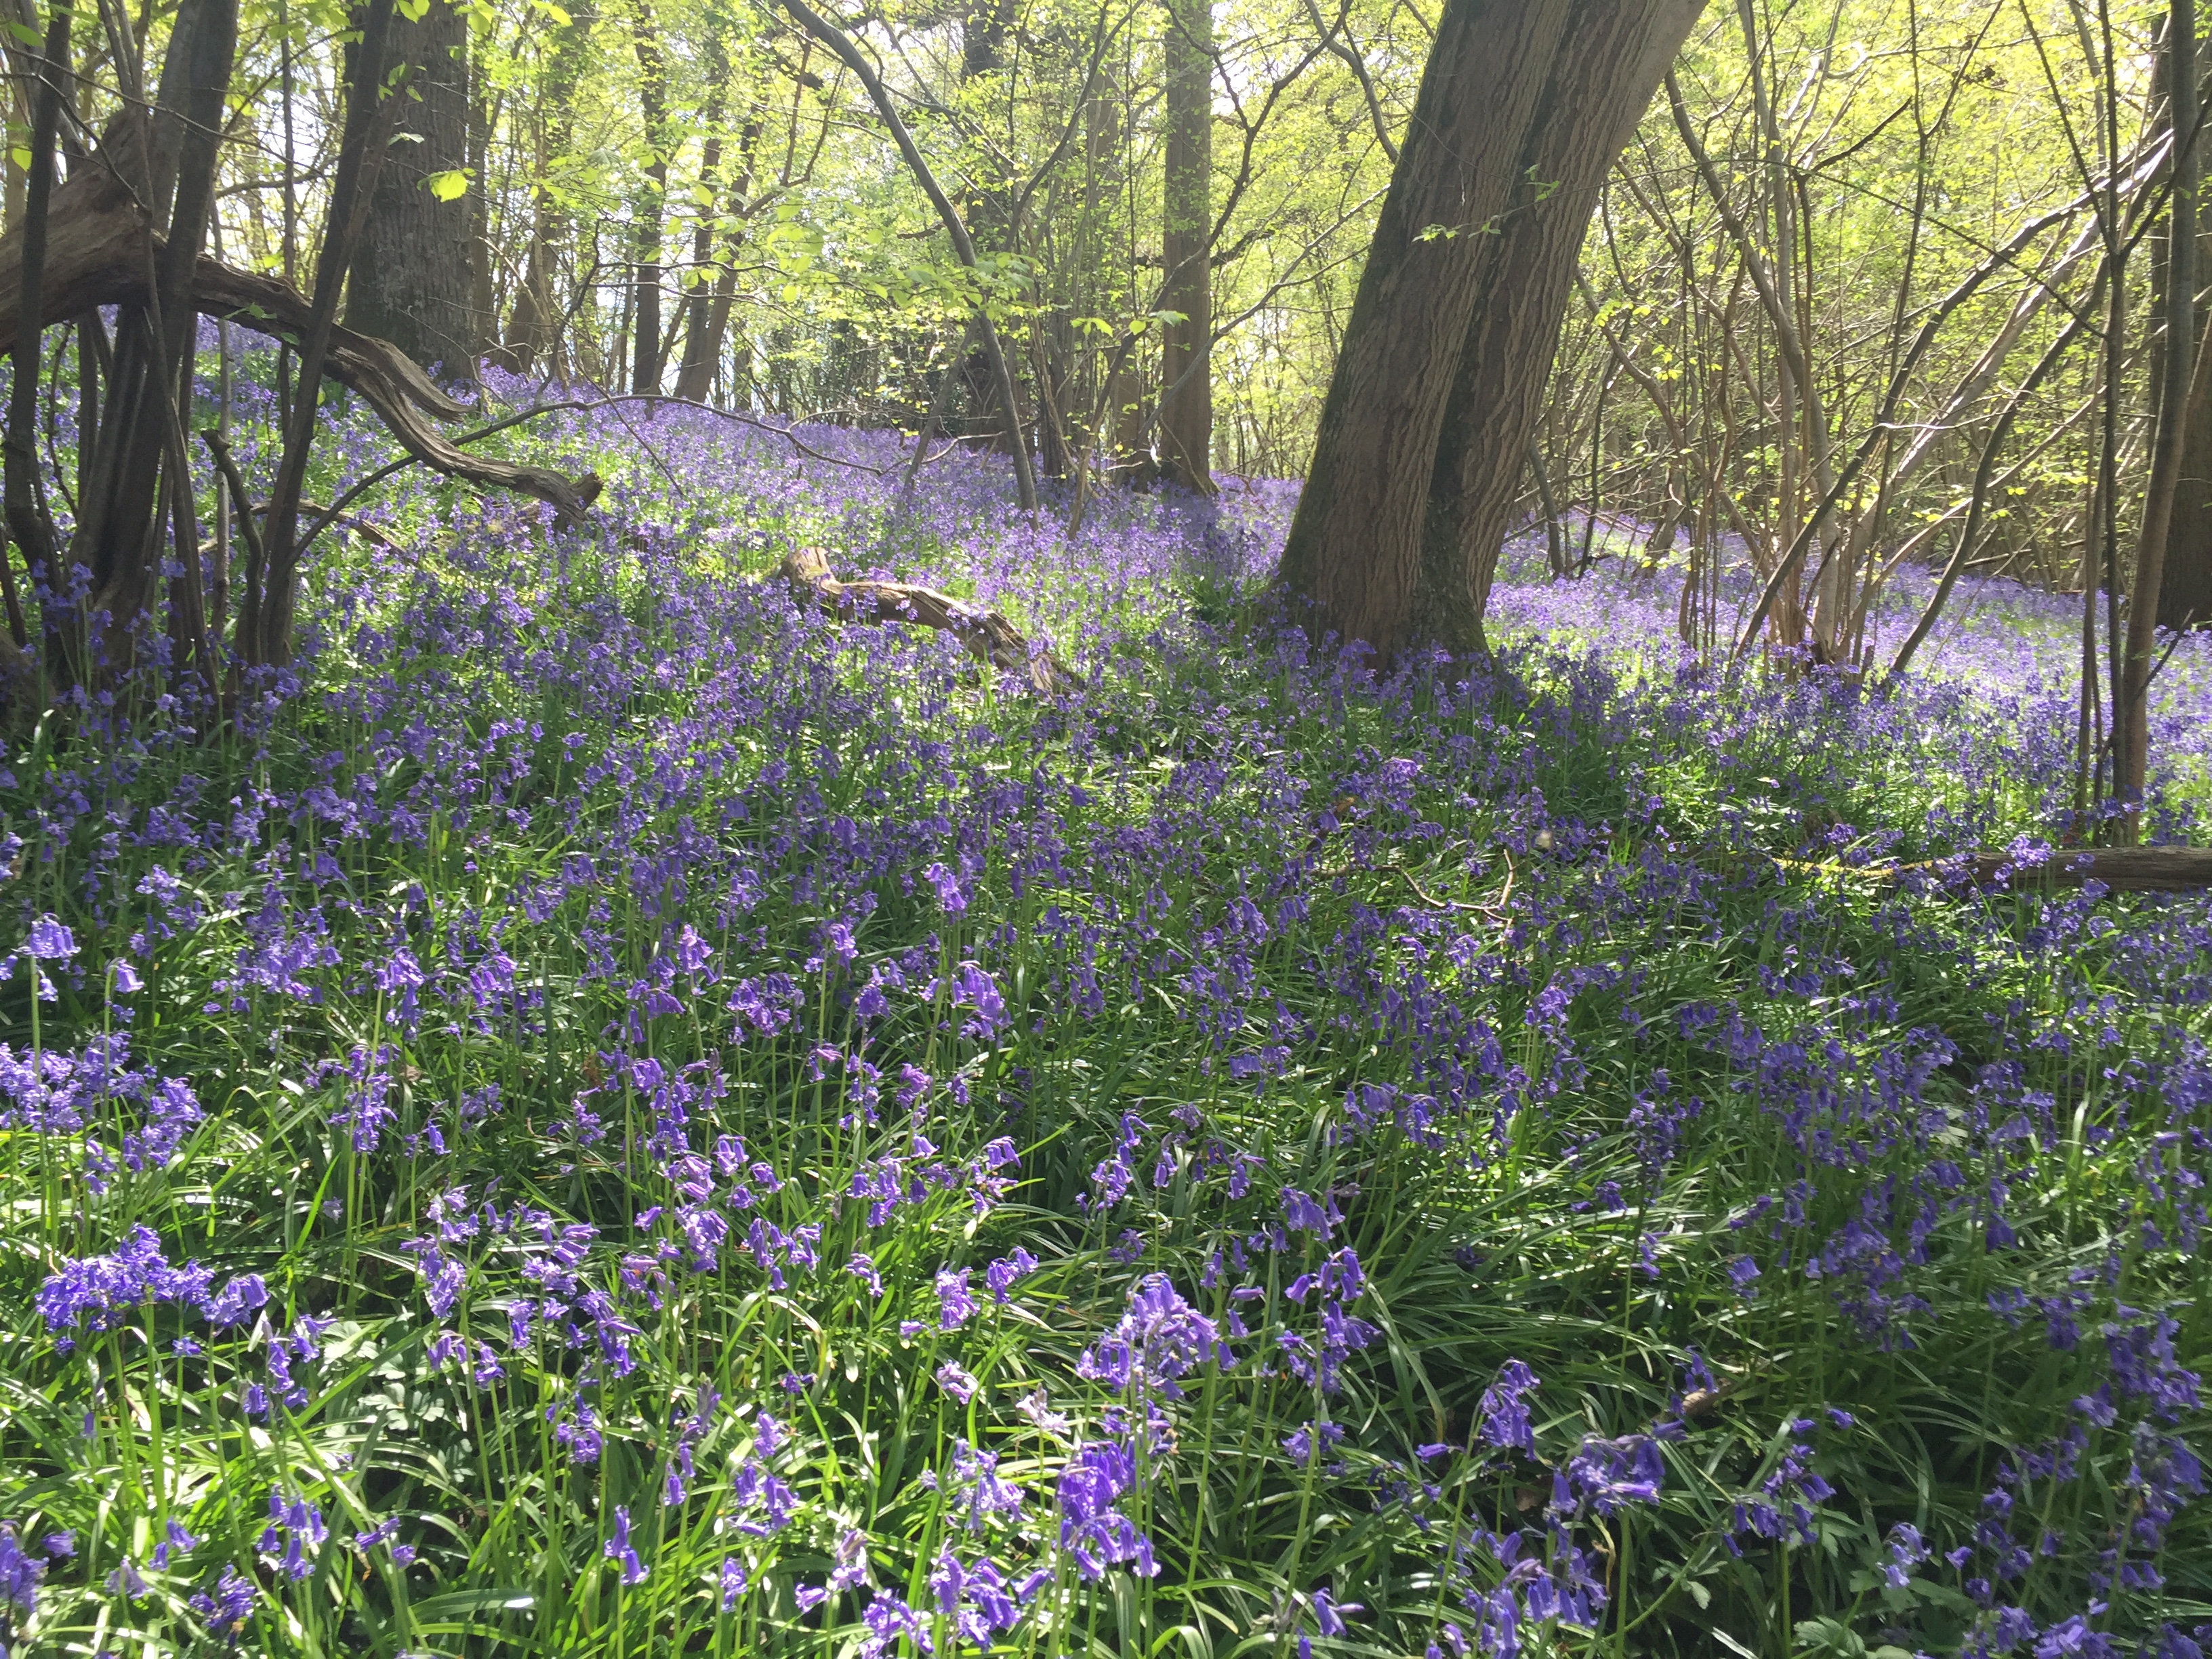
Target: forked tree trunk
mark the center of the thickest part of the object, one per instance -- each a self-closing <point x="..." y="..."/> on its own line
<point x="1600" y="81"/>
<point x="695" y="370"/>
<point x="1353" y="554"/>
<point x="1434" y="394"/>
<point x="1187" y="225"/>
<point x="412" y="277"/>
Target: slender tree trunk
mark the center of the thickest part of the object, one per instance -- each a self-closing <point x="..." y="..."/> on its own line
<point x="653" y="92"/>
<point x="989" y="210"/>
<point x="412" y="271"/>
<point x="1186" y="227"/>
<point x="15" y="192"/>
<point x="710" y="324"/>
<point x="483" y="302"/>
<point x="265" y="620"/>
<point x="2132" y="714"/>
<point x="702" y="345"/>
<point x="963" y="244"/>
<point x="1555" y="545"/>
<point x="26" y="520"/>
<point x="118" y="531"/>
<point x="534" y="326"/>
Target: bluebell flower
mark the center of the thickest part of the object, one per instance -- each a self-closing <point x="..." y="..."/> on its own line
<point x="227" y="1606"/>
<point x="48" y="940"/>
<point x="617" y="1548"/>
<point x="1504" y="1420"/>
<point x="956" y="1304"/>
<point x="19" y="1573"/>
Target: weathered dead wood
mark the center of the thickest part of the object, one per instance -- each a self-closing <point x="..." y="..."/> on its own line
<point x="95" y="256"/>
<point x="391" y="383"/>
<point x="987" y="634"/>
<point x="2124" y="869"/>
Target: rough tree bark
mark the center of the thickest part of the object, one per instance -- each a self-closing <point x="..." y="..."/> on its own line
<point x="411" y="276"/>
<point x="1616" y="51"/>
<point x="1353" y="553"/>
<point x="1186" y="428"/>
<point x="2184" y="596"/>
<point x="2131" y="715"/>
<point x="645" y="229"/>
<point x="1459" y="300"/>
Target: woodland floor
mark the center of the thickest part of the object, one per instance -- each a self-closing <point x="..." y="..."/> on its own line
<point x="621" y="1117"/>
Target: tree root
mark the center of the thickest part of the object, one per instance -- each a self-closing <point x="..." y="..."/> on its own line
<point x="987" y="634"/>
<point x="102" y="250"/>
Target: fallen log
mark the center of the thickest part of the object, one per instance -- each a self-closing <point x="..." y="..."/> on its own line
<point x="2124" y="869"/>
<point x="987" y="634"/>
<point x="98" y="239"/>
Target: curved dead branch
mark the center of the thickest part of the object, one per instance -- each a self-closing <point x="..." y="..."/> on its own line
<point x="96" y="245"/>
<point x="987" y="634"/>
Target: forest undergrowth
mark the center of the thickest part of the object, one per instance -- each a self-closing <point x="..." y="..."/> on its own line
<point x="616" y="1115"/>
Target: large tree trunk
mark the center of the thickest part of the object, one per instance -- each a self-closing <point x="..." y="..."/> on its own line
<point x="1353" y="553"/>
<point x="1187" y="226"/>
<point x="1459" y="240"/>
<point x="411" y="277"/>
<point x="1616" y="51"/>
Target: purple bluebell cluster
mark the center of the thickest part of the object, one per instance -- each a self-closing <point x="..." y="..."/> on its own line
<point x="639" y="1104"/>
